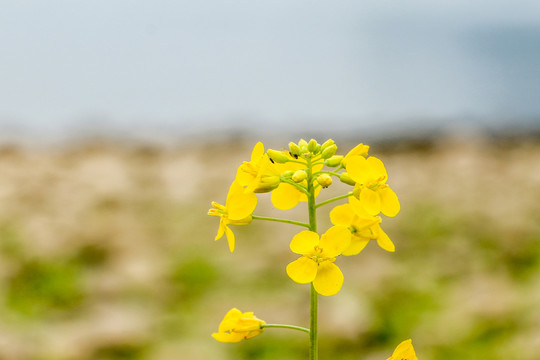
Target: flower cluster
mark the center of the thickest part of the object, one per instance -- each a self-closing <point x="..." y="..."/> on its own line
<point x="300" y="174"/>
<point x="296" y="175"/>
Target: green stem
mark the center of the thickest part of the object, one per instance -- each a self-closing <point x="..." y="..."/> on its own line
<point x="254" y="217"/>
<point x="314" y="305"/>
<point x="333" y="199"/>
<point x="298" y="186"/>
<point x="299" y="328"/>
<point x="314" y="300"/>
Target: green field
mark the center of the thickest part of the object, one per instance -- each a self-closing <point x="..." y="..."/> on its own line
<point x="106" y="252"/>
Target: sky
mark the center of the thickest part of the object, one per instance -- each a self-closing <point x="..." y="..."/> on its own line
<point x="214" y="64"/>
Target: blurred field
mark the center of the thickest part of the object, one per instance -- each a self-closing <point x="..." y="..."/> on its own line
<point x="106" y="252"/>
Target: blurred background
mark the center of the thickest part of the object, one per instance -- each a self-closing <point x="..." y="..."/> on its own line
<point x="121" y="121"/>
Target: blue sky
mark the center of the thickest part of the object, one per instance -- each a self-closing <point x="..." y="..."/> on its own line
<point x="212" y="64"/>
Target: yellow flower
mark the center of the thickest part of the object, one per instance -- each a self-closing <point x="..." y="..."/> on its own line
<point x="363" y="226"/>
<point x="358" y="150"/>
<point x="237" y="211"/>
<point x="317" y="262"/>
<point x="237" y="326"/>
<point x="259" y="174"/>
<point x="370" y="177"/>
<point x="404" y="351"/>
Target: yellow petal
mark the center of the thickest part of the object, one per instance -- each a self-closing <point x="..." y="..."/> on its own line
<point x="359" y="169"/>
<point x="329" y="279"/>
<point x="230" y="319"/>
<point x="285" y="197"/>
<point x="384" y="241"/>
<point x="303" y="270"/>
<point x="304" y="242"/>
<point x="404" y="351"/>
<point x="257" y="152"/>
<point x="357" y="244"/>
<point x="389" y="202"/>
<point x="335" y="240"/>
<point x="221" y="229"/>
<point x="342" y="215"/>
<point x="371" y="201"/>
<point x="243" y="177"/>
<point x="230" y="238"/>
<point x="228" y="337"/>
<point x="358" y="150"/>
<point x="357" y="207"/>
<point x="242" y="206"/>
<point x="377" y="167"/>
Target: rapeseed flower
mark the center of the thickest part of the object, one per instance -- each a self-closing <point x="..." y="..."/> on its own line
<point x="370" y="176"/>
<point x="363" y="226"/>
<point x="259" y="174"/>
<point x="237" y="211"/>
<point x="404" y="351"/>
<point x="237" y="326"/>
<point x="318" y="255"/>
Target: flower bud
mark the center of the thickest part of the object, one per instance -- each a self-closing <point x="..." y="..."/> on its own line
<point x="327" y="143"/>
<point x="299" y="176"/>
<point x="288" y="174"/>
<point x="329" y="151"/>
<point x="346" y="179"/>
<point x="302" y="142"/>
<point x="277" y="156"/>
<point x="324" y="180"/>
<point x="317" y="149"/>
<point x="312" y="145"/>
<point x="334" y="161"/>
<point x="294" y="149"/>
<point x="267" y="183"/>
<point x="357" y="190"/>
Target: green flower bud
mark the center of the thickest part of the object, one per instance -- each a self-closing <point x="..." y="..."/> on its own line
<point x="294" y="149"/>
<point x="277" y="156"/>
<point x="312" y="145"/>
<point x="317" y="149"/>
<point x="329" y="151"/>
<point x="326" y="144"/>
<point x="267" y="184"/>
<point x="288" y="174"/>
<point x="334" y="161"/>
<point x="299" y="176"/>
<point x="302" y="142"/>
<point x="324" y="180"/>
<point x="346" y="179"/>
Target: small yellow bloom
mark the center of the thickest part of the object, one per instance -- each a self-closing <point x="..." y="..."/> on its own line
<point x="237" y="326"/>
<point x="259" y="174"/>
<point x="358" y="150"/>
<point x="370" y="177"/>
<point x="318" y="255"/>
<point x="237" y="211"/>
<point x="404" y="351"/>
<point x="363" y="226"/>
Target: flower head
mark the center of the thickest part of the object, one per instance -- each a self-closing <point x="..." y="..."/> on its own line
<point x="404" y="351"/>
<point x="258" y="175"/>
<point x="237" y="326"/>
<point x="237" y="211"/>
<point x="318" y="255"/>
<point x="370" y="177"/>
<point x="363" y="226"/>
